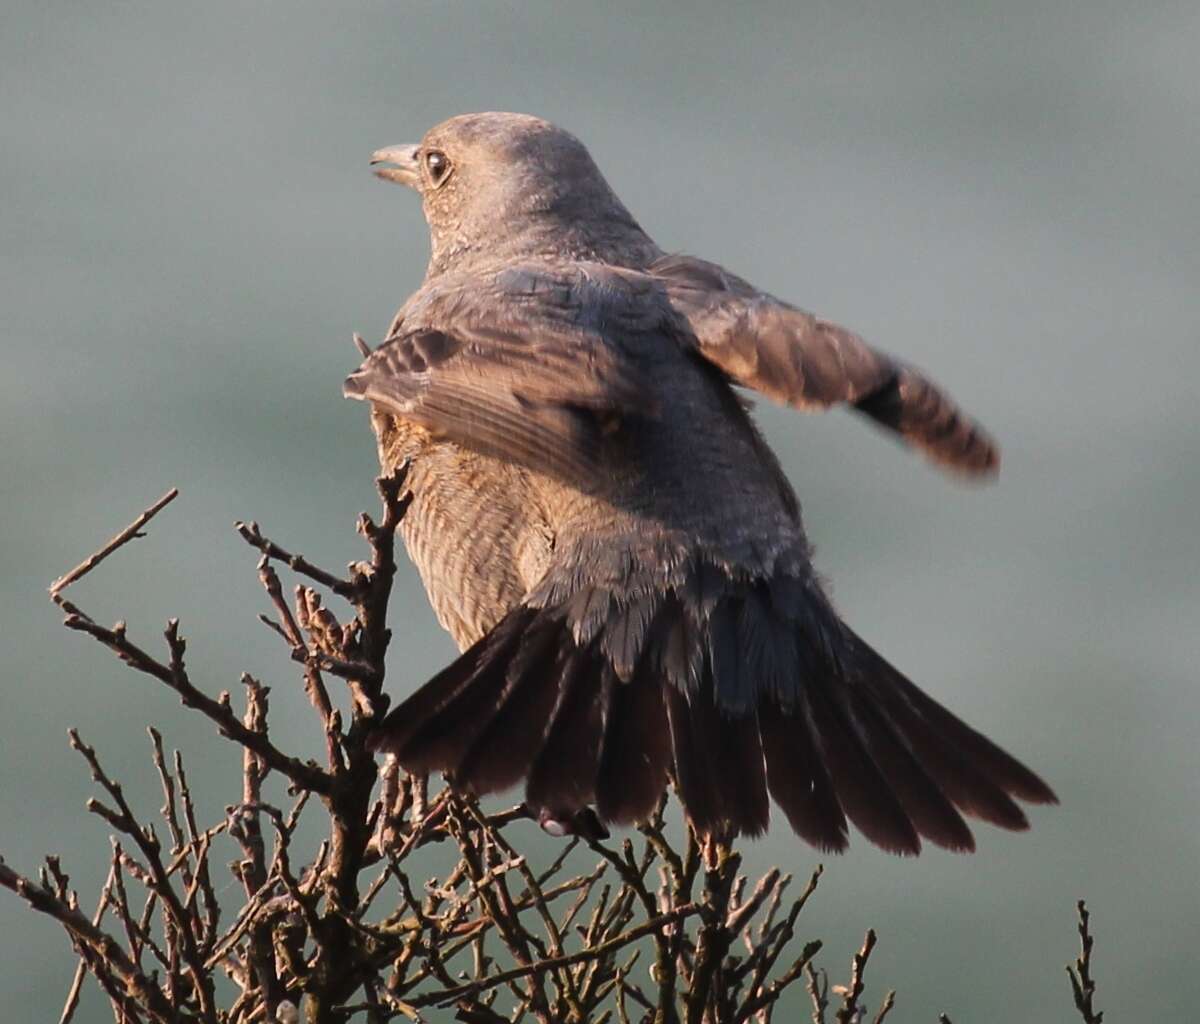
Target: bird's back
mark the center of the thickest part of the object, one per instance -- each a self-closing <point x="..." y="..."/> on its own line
<point x="687" y="470"/>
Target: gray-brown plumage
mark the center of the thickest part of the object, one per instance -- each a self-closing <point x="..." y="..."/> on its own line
<point x="608" y="538"/>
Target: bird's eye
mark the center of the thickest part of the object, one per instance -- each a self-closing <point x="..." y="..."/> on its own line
<point x="438" y="166"/>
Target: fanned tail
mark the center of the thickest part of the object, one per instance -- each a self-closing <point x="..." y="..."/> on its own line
<point x="741" y="691"/>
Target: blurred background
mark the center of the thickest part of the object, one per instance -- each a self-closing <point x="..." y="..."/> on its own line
<point x="1005" y="194"/>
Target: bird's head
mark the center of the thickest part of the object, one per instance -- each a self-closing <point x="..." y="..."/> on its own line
<point x="497" y="184"/>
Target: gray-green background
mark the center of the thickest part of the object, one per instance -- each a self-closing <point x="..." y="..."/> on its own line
<point x="1005" y="193"/>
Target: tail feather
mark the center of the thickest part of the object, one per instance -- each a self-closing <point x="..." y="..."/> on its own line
<point x="725" y="722"/>
<point x="969" y="774"/>
<point x="741" y="772"/>
<point x="965" y="784"/>
<point x="798" y="780"/>
<point x="432" y="730"/>
<point x="742" y="690"/>
<point x="732" y="662"/>
<point x="563" y="777"/>
<point x="768" y="647"/>
<point x="719" y="765"/>
<point x="637" y="750"/>
<point x="502" y="753"/>
<point x="864" y="792"/>
<point x="1002" y="768"/>
<point x="693" y="778"/>
<point x="927" y="806"/>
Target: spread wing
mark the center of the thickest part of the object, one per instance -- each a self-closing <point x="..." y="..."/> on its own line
<point x="800" y="360"/>
<point x="509" y="373"/>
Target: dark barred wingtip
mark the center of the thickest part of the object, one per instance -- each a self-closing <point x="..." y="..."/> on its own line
<point x="980" y="463"/>
<point x="980" y="456"/>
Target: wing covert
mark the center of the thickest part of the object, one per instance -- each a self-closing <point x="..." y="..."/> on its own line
<point x="505" y="379"/>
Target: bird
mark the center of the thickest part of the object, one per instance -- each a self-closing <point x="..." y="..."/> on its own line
<point x="606" y="535"/>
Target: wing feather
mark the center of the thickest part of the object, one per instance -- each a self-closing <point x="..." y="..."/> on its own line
<point x="520" y="381"/>
<point x="800" y="360"/>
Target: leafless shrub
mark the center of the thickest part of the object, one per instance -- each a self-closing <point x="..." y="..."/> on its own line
<point x="642" y="928"/>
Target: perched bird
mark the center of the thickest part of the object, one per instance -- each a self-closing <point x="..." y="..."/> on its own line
<point x="612" y="544"/>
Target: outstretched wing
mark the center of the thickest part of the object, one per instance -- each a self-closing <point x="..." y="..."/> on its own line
<point x="803" y="361"/>
<point x="505" y="372"/>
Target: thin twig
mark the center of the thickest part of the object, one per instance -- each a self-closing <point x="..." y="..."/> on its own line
<point x="848" y="1011"/>
<point x="72" y="1000"/>
<point x="129" y="533"/>
<point x="602" y="949"/>
<point x="251" y="534"/>
<point x="885" y="1007"/>
<point x="818" y="991"/>
<point x="148" y="843"/>
<point x="1083" y="986"/>
<point x="307" y="775"/>
<point x="134" y="982"/>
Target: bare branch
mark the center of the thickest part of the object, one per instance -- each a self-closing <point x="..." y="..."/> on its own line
<point x="124" y="971"/>
<point x="131" y="532"/>
<point x="485" y="936"/>
<point x="885" y="1007"/>
<point x="591" y="953"/>
<point x="848" y="1011"/>
<point x="174" y="675"/>
<point x="72" y="1000"/>
<point x="818" y="991"/>
<point x="251" y="534"/>
<point x="1083" y="986"/>
<point x="181" y="924"/>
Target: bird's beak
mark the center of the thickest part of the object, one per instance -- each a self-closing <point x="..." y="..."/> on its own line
<point x="404" y="169"/>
